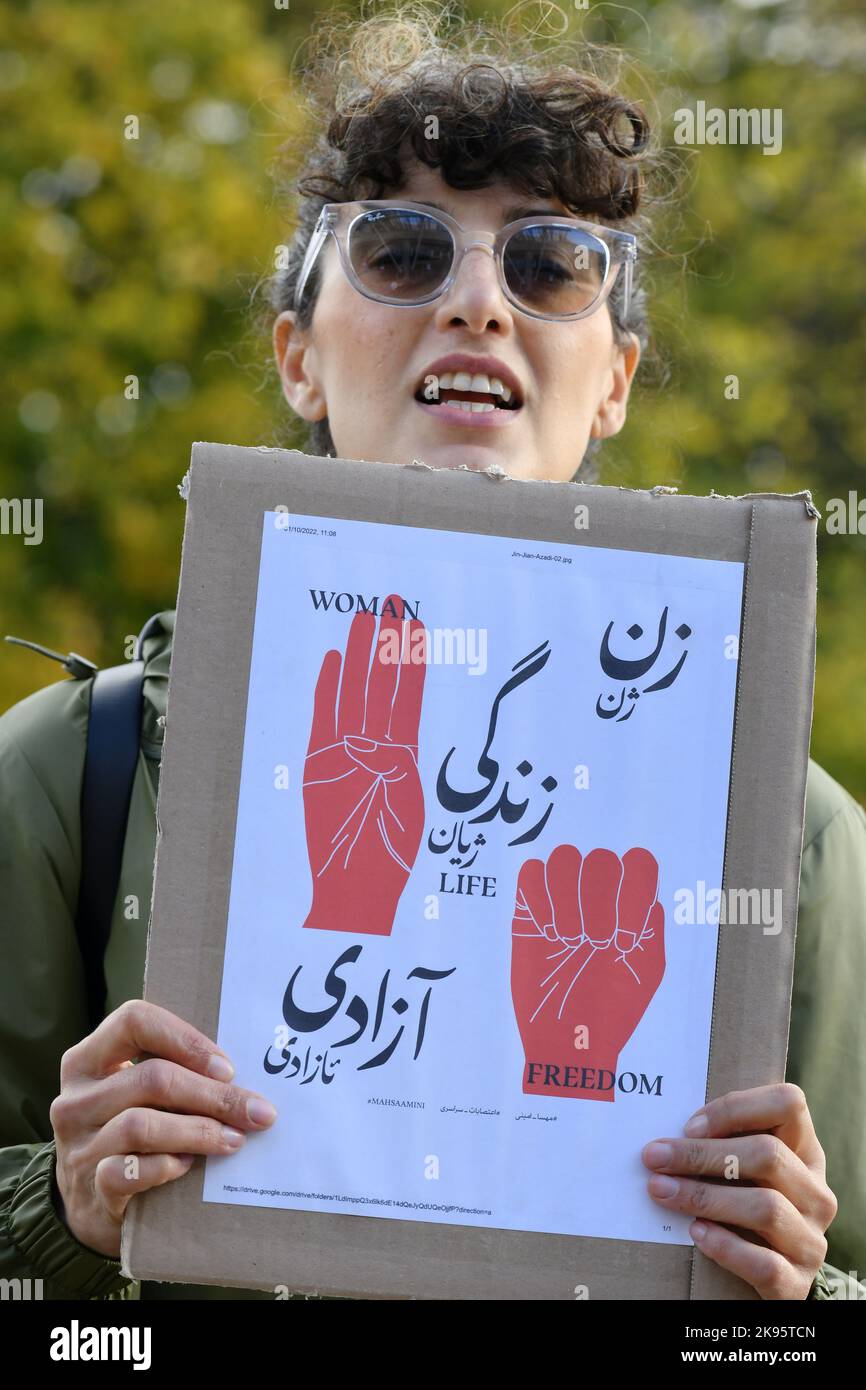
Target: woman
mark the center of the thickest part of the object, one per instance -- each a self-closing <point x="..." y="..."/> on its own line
<point x="494" y="356"/>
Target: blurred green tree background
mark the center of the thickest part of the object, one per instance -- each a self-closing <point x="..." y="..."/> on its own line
<point x="136" y="258"/>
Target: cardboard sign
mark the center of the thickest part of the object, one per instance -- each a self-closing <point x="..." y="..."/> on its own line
<point x="471" y="858"/>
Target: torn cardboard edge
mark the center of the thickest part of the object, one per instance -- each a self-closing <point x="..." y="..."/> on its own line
<point x="496" y="472"/>
<point x="171" y="1235"/>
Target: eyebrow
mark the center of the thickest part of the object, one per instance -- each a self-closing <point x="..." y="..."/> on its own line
<point x="513" y="214"/>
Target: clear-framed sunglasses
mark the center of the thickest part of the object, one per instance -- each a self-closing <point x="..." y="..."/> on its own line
<point x="407" y="254"/>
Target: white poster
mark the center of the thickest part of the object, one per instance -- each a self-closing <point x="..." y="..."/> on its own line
<point x="475" y="895"/>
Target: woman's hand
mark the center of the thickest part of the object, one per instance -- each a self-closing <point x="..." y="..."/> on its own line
<point x="122" y="1128"/>
<point x="767" y="1178"/>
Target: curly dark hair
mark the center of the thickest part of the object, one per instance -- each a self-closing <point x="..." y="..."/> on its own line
<point x="540" y="116"/>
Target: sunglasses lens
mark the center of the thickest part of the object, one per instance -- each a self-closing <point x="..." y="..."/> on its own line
<point x="399" y="254"/>
<point x="555" y="270"/>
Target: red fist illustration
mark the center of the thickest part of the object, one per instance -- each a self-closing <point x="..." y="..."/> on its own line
<point x="363" y="802"/>
<point x="587" y="956"/>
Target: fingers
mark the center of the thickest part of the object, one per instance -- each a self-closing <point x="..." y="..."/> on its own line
<point x="598" y="899"/>
<point x="120" y="1176"/>
<point x="761" y="1210"/>
<point x="533" y="911"/>
<point x="767" y="1271"/>
<point x="144" y="1131"/>
<point x="382" y="699"/>
<point x="406" y="710"/>
<point x="562" y="875"/>
<point x="165" y="1086"/>
<point x="396" y="683"/>
<point x="637" y="896"/>
<point x="758" y="1158"/>
<point x="600" y="878"/>
<point x="388" y="760"/>
<point x="323" y="731"/>
<point x="384" y="673"/>
<point x="353" y="686"/>
<point x="781" y="1107"/>
<point x="138" y="1028"/>
<point x="649" y="956"/>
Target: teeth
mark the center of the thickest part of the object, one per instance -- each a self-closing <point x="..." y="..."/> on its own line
<point x="465" y="381"/>
<point x="469" y="407"/>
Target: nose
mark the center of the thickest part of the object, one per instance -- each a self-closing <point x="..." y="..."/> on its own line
<point x="475" y="299"/>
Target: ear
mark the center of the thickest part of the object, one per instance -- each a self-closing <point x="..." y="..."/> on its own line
<point x="297" y="366"/>
<point x="610" y="415"/>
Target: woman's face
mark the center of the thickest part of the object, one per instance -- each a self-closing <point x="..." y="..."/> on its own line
<point x="362" y="363"/>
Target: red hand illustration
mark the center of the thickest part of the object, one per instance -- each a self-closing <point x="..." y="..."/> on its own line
<point x="363" y="801"/>
<point x="587" y="949"/>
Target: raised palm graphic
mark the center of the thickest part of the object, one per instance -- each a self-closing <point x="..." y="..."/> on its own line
<point x="587" y="951"/>
<point x="363" y="802"/>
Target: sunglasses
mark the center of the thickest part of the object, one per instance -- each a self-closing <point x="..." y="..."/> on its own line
<point x="405" y="254"/>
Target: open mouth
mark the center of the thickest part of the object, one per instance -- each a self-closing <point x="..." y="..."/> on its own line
<point x="462" y="391"/>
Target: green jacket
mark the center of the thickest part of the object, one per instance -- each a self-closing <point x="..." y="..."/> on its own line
<point x="43" y="1011"/>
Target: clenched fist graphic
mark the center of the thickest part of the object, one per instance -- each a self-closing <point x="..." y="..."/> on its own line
<point x="363" y="803"/>
<point x="587" y="956"/>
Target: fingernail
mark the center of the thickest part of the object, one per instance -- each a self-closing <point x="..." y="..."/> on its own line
<point x="261" y="1112"/>
<point x="697" y="1230"/>
<point x="698" y="1124"/>
<point x="233" y="1137"/>
<point x="658" y="1155"/>
<point x="663" y="1186"/>
<point x="220" y="1068"/>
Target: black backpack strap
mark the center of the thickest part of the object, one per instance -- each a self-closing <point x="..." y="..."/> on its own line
<point x="113" y="740"/>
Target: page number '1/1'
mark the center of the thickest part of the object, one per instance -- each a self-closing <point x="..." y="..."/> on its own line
<point x="665" y="1228"/>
